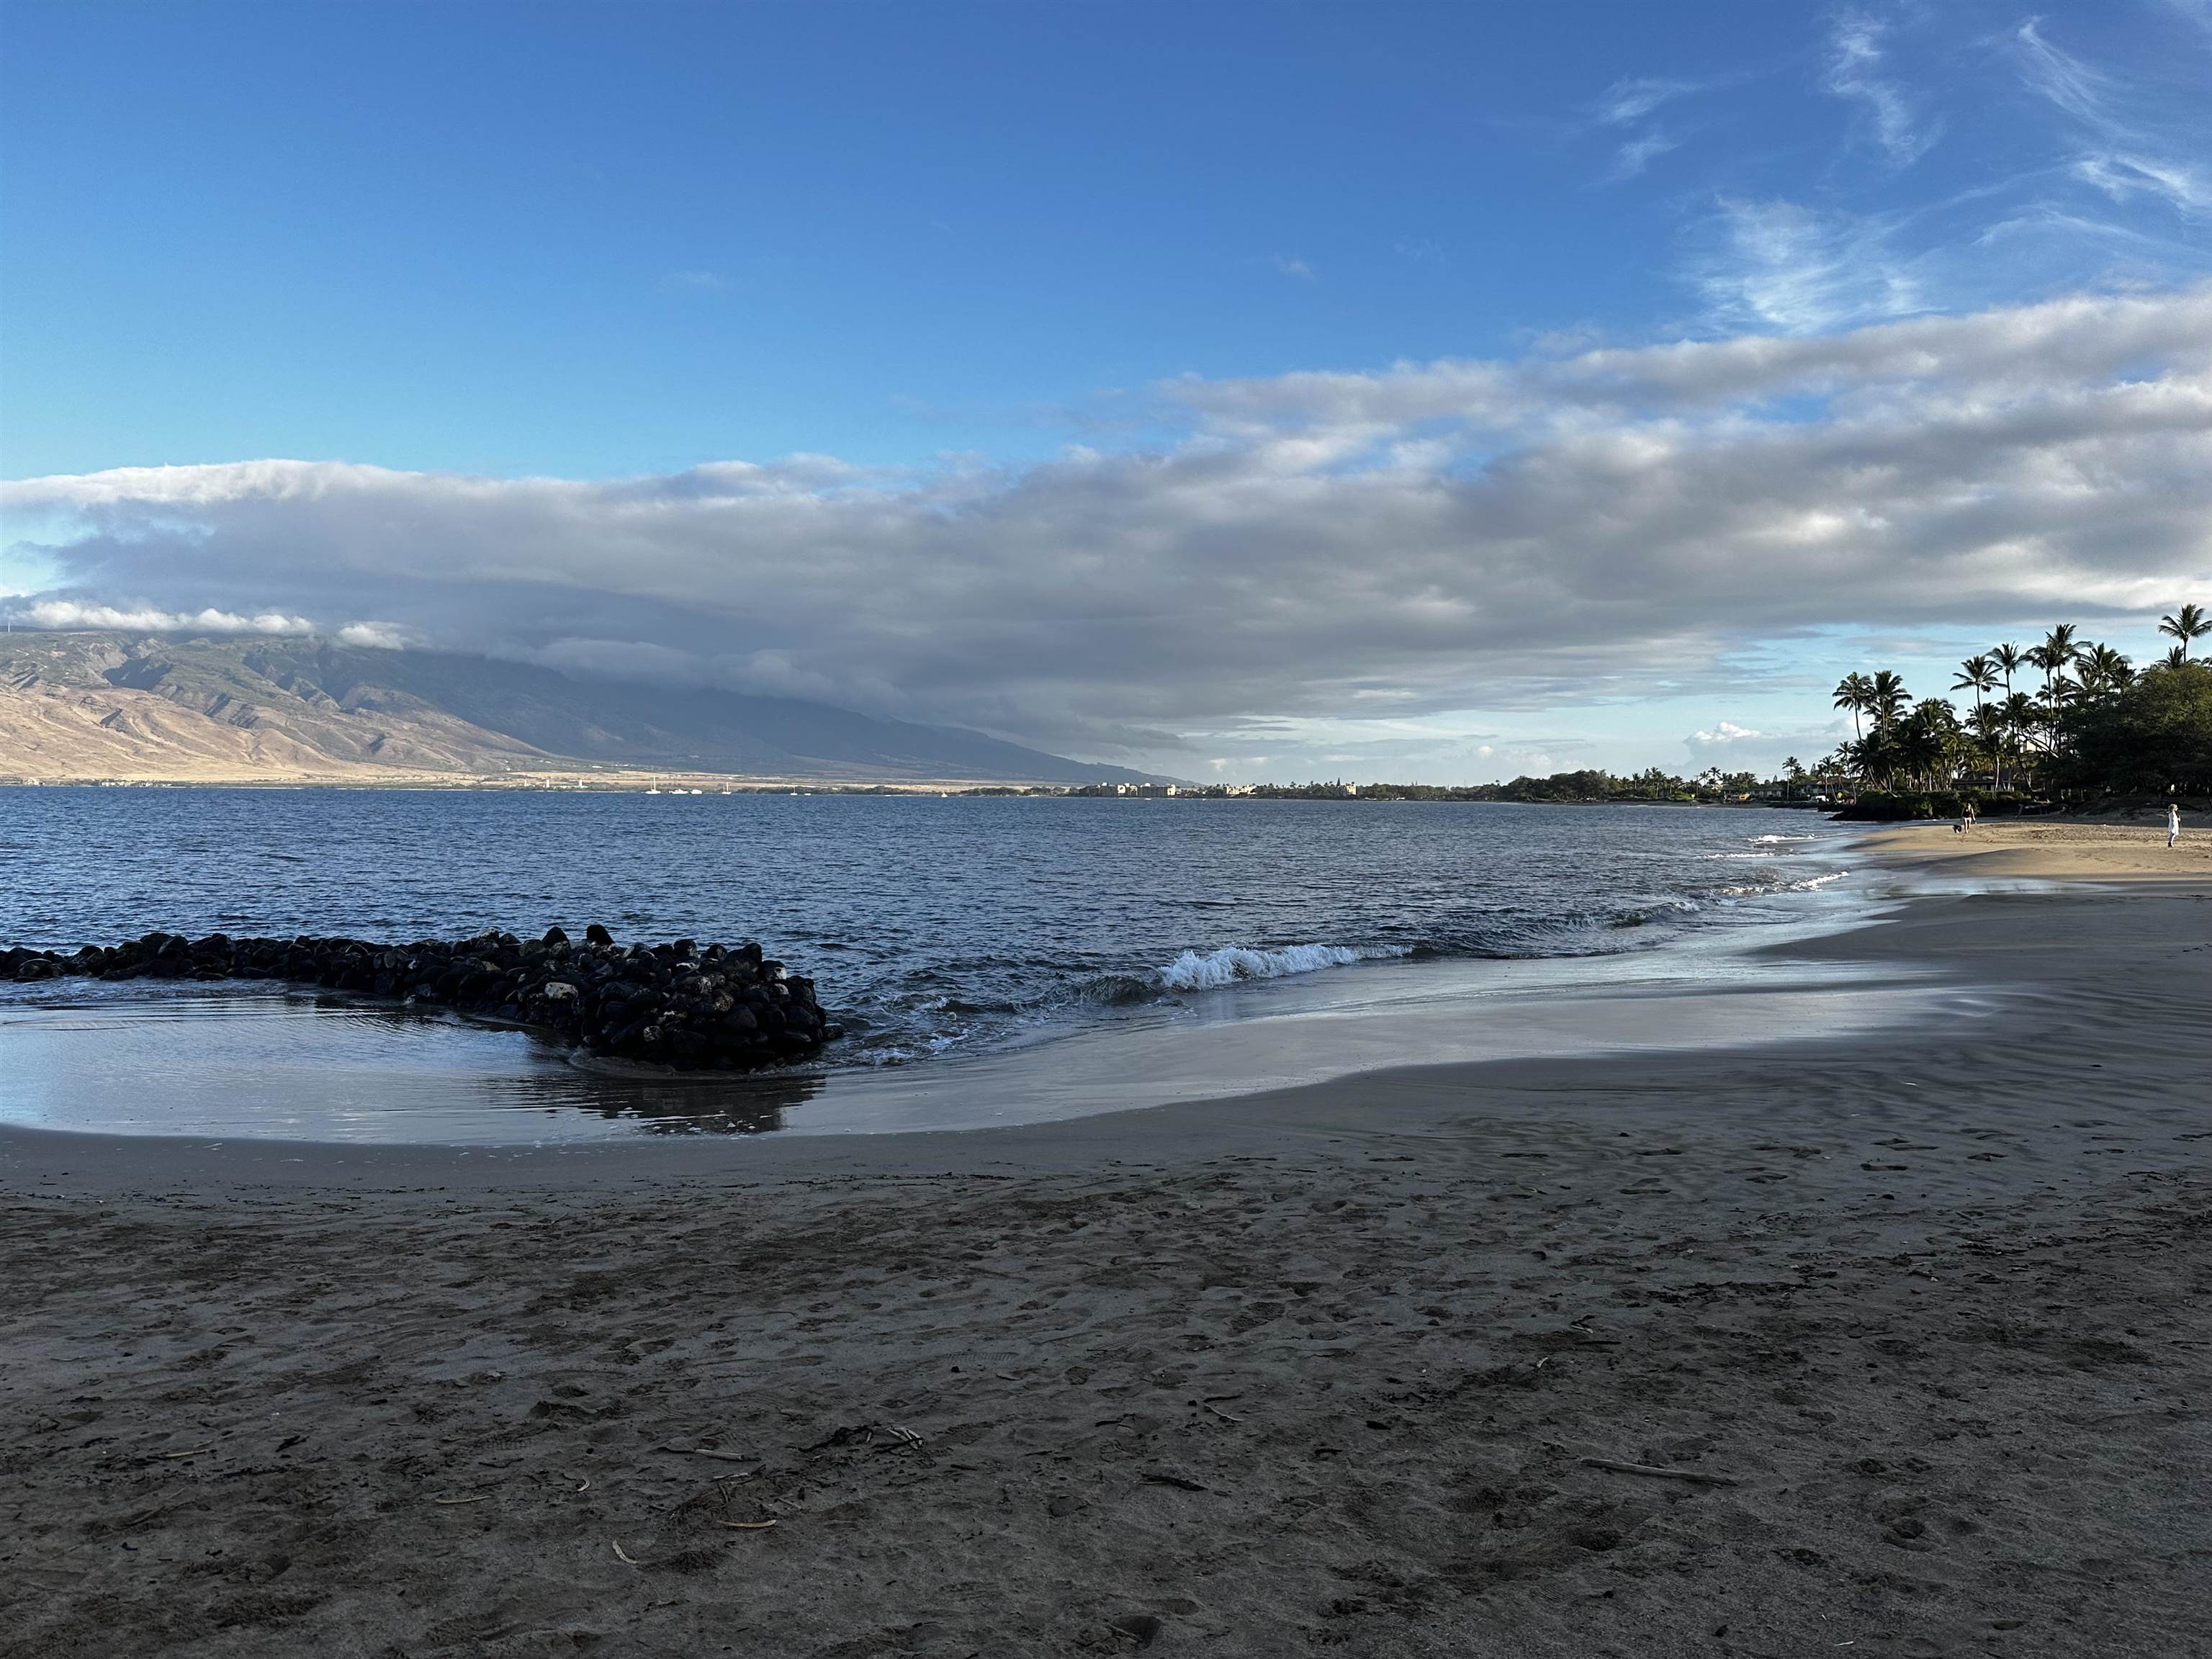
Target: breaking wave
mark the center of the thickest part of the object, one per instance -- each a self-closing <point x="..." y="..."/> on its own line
<point x="1196" y="971"/>
<point x="1808" y="884"/>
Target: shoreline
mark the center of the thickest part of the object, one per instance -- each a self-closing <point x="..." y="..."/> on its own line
<point x="635" y="783"/>
<point x="1913" y="1320"/>
<point x="257" y="1055"/>
<point x="1973" y="951"/>
<point x="249" y="1054"/>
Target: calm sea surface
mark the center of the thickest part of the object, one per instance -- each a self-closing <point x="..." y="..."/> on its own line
<point x="929" y="923"/>
<point x="938" y="928"/>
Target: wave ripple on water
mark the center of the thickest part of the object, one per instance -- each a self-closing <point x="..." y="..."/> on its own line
<point x="930" y="924"/>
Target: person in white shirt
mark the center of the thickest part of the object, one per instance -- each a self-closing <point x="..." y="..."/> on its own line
<point x="2172" y="825"/>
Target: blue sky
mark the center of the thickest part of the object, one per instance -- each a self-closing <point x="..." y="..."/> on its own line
<point x="1013" y="266"/>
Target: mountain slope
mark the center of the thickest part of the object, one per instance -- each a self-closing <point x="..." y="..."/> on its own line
<point x="113" y="705"/>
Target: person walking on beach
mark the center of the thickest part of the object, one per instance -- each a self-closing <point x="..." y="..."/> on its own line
<point x="2172" y="825"/>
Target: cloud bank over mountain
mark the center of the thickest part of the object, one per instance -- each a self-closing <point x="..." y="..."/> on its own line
<point x="1460" y="535"/>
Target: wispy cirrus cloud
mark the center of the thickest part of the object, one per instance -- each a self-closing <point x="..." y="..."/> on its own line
<point x="1638" y="153"/>
<point x="2121" y="176"/>
<point x="2071" y="84"/>
<point x="1629" y="104"/>
<point x="1630" y="100"/>
<point x="1325" y="555"/>
<point x="2129" y="144"/>
<point x="1778" y="265"/>
<point x="2104" y="175"/>
<point x="1857" y="71"/>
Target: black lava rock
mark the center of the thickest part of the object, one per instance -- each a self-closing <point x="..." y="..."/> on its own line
<point x="724" y="1008"/>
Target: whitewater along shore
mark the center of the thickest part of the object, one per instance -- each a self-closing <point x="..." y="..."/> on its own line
<point x="1899" y="1343"/>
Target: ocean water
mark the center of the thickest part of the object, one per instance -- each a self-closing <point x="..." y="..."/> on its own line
<point x="930" y="923"/>
<point x="943" y="931"/>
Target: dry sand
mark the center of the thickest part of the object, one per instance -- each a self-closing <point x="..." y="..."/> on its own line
<point x="2054" y="849"/>
<point x="1917" y="1327"/>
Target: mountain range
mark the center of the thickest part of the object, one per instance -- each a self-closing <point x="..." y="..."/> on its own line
<point x="107" y="705"/>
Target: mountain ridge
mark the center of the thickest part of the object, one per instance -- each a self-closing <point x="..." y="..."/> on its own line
<point x="106" y="704"/>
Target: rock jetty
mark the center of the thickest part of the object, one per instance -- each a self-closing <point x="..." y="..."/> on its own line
<point x="723" y="1008"/>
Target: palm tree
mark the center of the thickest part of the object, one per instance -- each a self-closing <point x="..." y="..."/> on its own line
<point x="1977" y="674"/>
<point x="2059" y="650"/>
<point x="1855" y="692"/>
<point x="1989" y="724"/>
<point x="2022" y="716"/>
<point x="2056" y="696"/>
<point x="1889" y="698"/>
<point x="1926" y="739"/>
<point x="2104" y="671"/>
<point x="2190" y="622"/>
<point x="2008" y="658"/>
<point x="2177" y="657"/>
<point x="2052" y="657"/>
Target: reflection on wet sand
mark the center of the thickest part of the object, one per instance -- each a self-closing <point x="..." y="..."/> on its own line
<point x="559" y="1079"/>
<point x="314" y="1065"/>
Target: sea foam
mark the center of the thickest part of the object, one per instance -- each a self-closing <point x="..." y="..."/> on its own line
<point x="1196" y="971"/>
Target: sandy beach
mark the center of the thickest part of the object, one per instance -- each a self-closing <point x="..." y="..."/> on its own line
<point x="1895" y="1344"/>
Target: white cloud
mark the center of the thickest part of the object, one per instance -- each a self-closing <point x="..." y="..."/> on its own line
<point x="1625" y="101"/>
<point x="1520" y="534"/>
<point x="1292" y="267"/>
<point x="374" y="635"/>
<point x="1855" y="72"/>
<point x="2121" y="176"/>
<point x="1720" y="736"/>
<point x="1782" y="265"/>
<point x="1638" y="153"/>
<point x="2133" y="144"/>
<point x="68" y="613"/>
<point x="2073" y="85"/>
<point x="1627" y="104"/>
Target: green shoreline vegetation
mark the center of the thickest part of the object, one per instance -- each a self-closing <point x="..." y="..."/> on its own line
<point x="2095" y="733"/>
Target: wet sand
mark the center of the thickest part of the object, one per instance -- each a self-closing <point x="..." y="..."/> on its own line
<point x="1911" y="1326"/>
